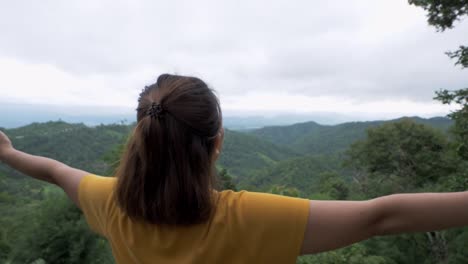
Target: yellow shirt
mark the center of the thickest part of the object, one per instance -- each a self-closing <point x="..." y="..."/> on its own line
<point x="247" y="227"/>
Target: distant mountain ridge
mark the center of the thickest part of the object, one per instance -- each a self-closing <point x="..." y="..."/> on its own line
<point x="13" y="115"/>
<point x="243" y="153"/>
<point x="312" y="138"/>
<point x="85" y="146"/>
<point x="254" y="158"/>
<point x="74" y="144"/>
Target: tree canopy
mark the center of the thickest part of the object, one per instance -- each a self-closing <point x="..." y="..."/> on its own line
<point x="442" y="14"/>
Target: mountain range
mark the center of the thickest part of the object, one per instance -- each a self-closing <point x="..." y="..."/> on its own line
<point x="255" y="158"/>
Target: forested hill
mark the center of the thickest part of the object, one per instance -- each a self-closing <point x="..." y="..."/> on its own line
<point x="75" y="144"/>
<point x="244" y="153"/>
<point x="292" y="155"/>
<point x="313" y="138"/>
<point x="37" y="223"/>
<point x="91" y="148"/>
<point x="358" y="160"/>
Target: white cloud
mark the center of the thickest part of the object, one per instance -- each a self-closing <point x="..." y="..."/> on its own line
<point x="271" y="103"/>
<point x="340" y="56"/>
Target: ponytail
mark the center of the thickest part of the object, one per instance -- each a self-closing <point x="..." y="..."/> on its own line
<point x="166" y="174"/>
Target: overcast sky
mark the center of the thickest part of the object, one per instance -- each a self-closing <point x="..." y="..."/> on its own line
<point x="264" y="57"/>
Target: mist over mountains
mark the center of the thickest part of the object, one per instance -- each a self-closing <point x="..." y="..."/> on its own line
<point x="14" y="115"/>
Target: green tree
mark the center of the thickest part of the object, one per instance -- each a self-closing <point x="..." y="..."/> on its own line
<point x="58" y="233"/>
<point x="225" y="181"/>
<point x="405" y="157"/>
<point x="399" y="157"/>
<point x="334" y="186"/>
<point x="460" y="128"/>
<point x="284" y="190"/>
<point x="354" y="254"/>
<point x="442" y="14"/>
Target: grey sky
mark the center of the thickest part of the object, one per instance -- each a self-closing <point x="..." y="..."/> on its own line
<point x="261" y="56"/>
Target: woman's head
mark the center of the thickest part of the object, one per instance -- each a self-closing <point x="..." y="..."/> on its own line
<point x="167" y="173"/>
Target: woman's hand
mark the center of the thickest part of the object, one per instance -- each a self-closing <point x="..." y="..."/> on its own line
<point x="5" y="144"/>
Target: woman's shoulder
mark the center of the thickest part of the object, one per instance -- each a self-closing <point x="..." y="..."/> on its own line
<point x="230" y="195"/>
<point x="252" y="201"/>
<point x="94" y="189"/>
<point x="244" y="194"/>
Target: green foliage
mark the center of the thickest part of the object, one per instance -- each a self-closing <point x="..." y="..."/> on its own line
<point x="355" y="254"/>
<point x="5" y="247"/>
<point x="311" y="138"/>
<point x="51" y="229"/>
<point x="39" y="225"/>
<point x="243" y="153"/>
<point x="314" y="139"/>
<point x="225" y="181"/>
<point x="407" y="157"/>
<point x="112" y="157"/>
<point x="286" y="135"/>
<point x="301" y="173"/>
<point x="66" y="239"/>
<point x="37" y="221"/>
<point x="284" y="190"/>
<point x="461" y="56"/>
<point x="399" y="157"/>
<point x="460" y="128"/>
<point x="334" y="186"/>
<point x="74" y="144"/>
<point x="443" y="15"/>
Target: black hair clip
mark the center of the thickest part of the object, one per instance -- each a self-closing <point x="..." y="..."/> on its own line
<point x="156" y="110"/>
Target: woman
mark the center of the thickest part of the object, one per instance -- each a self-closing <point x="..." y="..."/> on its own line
<point x="162" y="208"/>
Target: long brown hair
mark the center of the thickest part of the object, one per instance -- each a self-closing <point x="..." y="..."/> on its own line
<point x="166" y="175"/>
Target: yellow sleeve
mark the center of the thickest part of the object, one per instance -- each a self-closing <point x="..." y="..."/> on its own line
<point x="94" y="196"/>
<point x="274" y="225"/>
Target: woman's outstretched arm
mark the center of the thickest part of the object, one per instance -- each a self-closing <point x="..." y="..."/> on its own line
<point x="335" y="224"/>
<point x="42" y="168"/>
